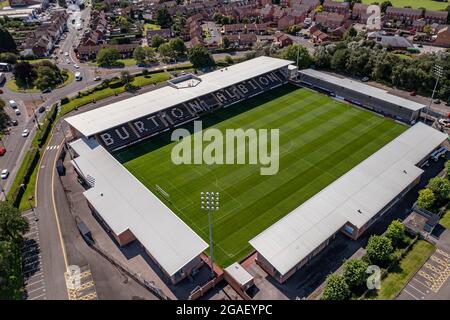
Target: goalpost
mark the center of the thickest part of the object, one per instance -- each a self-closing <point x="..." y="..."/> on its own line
<point x="162" y="192"/>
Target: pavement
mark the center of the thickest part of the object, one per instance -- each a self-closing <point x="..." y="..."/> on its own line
<point x="432" y="282"/>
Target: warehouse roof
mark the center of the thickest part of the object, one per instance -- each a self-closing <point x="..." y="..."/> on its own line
<point x="110" y="116"/>
<point x="355" y="197"/>
<point x="364" y="89"/>
<point x="124" y="203"/>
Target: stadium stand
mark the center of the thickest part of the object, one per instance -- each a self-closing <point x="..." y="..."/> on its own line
<point x="181" y="101"/>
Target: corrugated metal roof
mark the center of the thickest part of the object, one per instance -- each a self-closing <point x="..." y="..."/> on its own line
<point x="364" y="89"/>
<point x="110" y="116"/>
<point x="355" y="197"/>
<point x="125" y="203"/>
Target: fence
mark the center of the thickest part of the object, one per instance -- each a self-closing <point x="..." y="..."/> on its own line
<point x="200" y="291"/>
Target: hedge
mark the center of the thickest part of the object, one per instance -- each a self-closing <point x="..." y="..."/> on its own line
<point x="23" y="175"/>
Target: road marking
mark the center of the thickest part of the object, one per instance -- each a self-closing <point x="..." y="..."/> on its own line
<point x="33" y="283"/>
<point x="406" y="291"/>
<point x="423" y="293"/>
<point x="34" y="298"/>
<point x="40" y="288"/>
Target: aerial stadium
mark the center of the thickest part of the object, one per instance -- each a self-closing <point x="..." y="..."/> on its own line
<point x="335" y="154"/>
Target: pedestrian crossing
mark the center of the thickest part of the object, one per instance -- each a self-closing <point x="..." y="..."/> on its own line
<point x="52" y="147"/>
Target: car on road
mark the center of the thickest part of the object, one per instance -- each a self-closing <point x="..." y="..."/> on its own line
<point x="444" y="122"/>
<point x="25" y="133"/>
<point x="2" y="151"/>
<point x="15" y="122"/>
<point x="13" y="104"/>
<point x="41" y="109"/>
<point x="365" y="79"/>
<point x="47" y="90"/>
<point x="61" y="52"/>
<point x="67" y="61"/>
<point x="76" y="66"/>
<point x="437" y="101"/>
<point x="97" y="78"/>
<point x="5" y="174"/>
<point x="18" y="113"/>
<point x="66" y="54"/>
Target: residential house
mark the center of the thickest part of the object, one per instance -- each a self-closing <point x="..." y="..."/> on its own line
<point x="359" y="12"/>
<point x="330" y="20"/>
<point x="164" y="33"/>
<point x="88" y="52"/>
<point x="394" y="42"/>
<point x="281" y="39"/>
<point x="319" y="36"/>
<point x="233" y="28"/>
<point x="405" y="16"/>
<point x="443" y="38"/>
<point x="439" y="17"/>
<point x="285" y="22"/>
<point x="342" y="8"/>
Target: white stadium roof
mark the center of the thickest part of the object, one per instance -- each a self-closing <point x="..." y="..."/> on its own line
<point x="124" y="203"/>
<point x="368" y="187"/>
<point x="364" y="88"/>
<point x="110" y="116"/>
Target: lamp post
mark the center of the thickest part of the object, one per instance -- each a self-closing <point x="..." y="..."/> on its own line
<point x="210" y="202"/>
<point x="438" y="71"/>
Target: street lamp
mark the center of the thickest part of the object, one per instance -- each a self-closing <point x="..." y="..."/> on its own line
<point x="438" y="71"/>
<point x="210" y="202"/>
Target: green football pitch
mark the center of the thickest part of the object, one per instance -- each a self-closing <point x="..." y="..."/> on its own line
<point x="320" y="139"/>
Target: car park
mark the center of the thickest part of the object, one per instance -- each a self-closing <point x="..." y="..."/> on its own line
<point x="25" y="133"/>
<point x="5" y="174"/>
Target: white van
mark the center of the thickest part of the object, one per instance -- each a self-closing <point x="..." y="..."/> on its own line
<point x="78" y="76"/>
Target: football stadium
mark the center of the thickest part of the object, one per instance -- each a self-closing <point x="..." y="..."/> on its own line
<point x="334" y="156"/>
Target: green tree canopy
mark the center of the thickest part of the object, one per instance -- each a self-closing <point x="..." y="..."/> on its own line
<point x="355" y="272"/>
<point x="294" y="52"/>
<point x="163" y="18"/>
<point x="336" y="288"/>
<point x="166" y="52"/>
<point x="156" y="41"/>
<point x="145" y="55"/>
<point x="379" y="250"/>
<point x="440" y="187"/>
<point x="426" y="199"/>
<point x="200" y="57"/>
<point x="6" y="40"/>
<point x="108" y="57"/>
<point x="8" y="57"/>
<point x="384" y="6"/>
<point x="24" y="72"/>
<point x="396" y="232"/>
<point x="178" y="47"/>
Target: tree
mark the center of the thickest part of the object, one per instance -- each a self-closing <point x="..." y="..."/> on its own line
<point x="396" y="232"/>
<point x="355" y="272"/>
<point x="12" y="224"/>
<point x="47" y="77"/>
<point x="229" y="60"/>
<point x="384" y="6"/>
<point x="339" y="59"/>
<point x="336" y="288"/>
<point x="440" y="187"/>
<point x="108" y="57"/>
<point x="379" y="250"/>
<point x="125" y="77"/>
<point x="178" y="47"/>
<point x="166" y="52"/>
<point x="24" y="72"/>
<point x="144" y="55"/>
<point x="298" y="53"/>
<point x="447" y="169"/>
<point x="426" y="199"/>
<point x="3" y="115"/>
<point x="157" y="41"/>
<point x="322" y="59"/>
<point x="200" y="57"/>
<point x="6" y="40"/>
<point x="350" y="33"/>
<point x="163" y="18"/>
<point x="8" y="57"/>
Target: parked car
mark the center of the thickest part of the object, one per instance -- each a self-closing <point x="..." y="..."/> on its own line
<point x="97" y="78"/>
<point x="437" y="101"/>
<point x="46" y="90"/>
<point x="447" y="103"/>
<point x="5" y="174"/>
<point x="76" y="66"/>
<point x="66" y="54"/>
<point x="15" y="122"/>
<point x="25" y="133"/>
<point x="413" y="93"/>
<point x="444" y="122"/>
<point x="13" y="104"/>
<point x="18" y="113"/>
<point x="41" y="109"/>
<point x="2" y="151"/>
<point x="365" y="79"/>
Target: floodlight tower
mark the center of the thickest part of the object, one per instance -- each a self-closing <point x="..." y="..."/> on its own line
<point x="438" y="71"/>
<point x="210" y="203"/>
